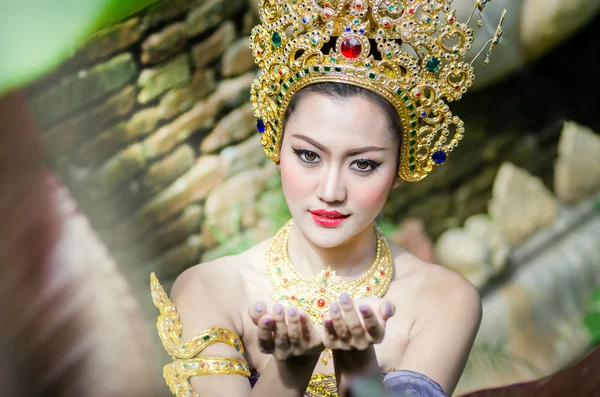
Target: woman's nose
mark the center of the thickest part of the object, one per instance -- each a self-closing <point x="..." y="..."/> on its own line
<point x="331" y="186"/>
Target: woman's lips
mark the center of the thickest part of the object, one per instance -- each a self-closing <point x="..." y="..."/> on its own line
<point x="328" y="218"/>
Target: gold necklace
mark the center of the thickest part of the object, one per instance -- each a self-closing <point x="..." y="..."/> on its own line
<point x="315" y="294"/>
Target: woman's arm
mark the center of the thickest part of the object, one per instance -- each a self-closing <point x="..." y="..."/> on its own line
<point x="444" y="332"/>
<point x="203" y="303"/>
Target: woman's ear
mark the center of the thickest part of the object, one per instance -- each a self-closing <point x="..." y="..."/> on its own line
<point x="396" y="181"/>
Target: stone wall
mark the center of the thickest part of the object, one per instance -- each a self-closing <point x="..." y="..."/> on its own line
<point x="149" y="124"/>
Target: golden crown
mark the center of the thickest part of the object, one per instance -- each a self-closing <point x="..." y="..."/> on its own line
<point x="416" y="65"/>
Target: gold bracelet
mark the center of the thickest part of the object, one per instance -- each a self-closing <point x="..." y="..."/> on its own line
<point x="178" y="373"/>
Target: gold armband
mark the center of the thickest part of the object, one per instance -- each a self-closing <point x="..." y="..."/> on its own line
<point x="185" y="361"/>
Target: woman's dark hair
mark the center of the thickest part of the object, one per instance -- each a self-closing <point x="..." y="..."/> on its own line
<point x="341" y="92"/>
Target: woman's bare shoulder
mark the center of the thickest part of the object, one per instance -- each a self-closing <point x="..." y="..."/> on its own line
<point x="428" y="280"/>
<point x="211" y="276"/>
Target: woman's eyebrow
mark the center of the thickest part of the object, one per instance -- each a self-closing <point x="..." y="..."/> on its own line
<point x="356" y="152"/>
<point x="349" y="153"/>
<point x="312" y="142"/>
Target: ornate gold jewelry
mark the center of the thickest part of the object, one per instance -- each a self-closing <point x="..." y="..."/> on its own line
<point x="185" y="361"/>
<point x="314" y="295"/>
<point x="414" y="64"/>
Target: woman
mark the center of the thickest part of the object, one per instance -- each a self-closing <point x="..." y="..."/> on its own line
<point x="328" y="299"/>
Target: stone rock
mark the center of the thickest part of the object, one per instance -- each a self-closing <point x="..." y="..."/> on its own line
<point x="238" y="59"/>
<point x="577" y="170"/>
<point x="165" y="11"/>
<point x="546" y="23"/>
<point x="520" y="204"/>
<point x="179" y="258"/>
<point x="412" y="236"/>
<point x="168" y="169"/>
<point x="111" y="140"/>
<point x="162" y="45"/>
<point x="185" y="225"/>
<point x="234" y="127"/>
<point x="102" y="145"/>
<point x="478" y="251"/>
<point x="246" y="155"/>
<point x="225" y="206"/>
<point x="80" y="90"/>
<point x="156" y="81"/>
<point x="465" y="254"/>
<point x="143" y="123"/>
<point x="180" y="100"/>
<point x="194" y="185"/>
<point x="117" y="171"/>
<point x="112" y="39"/>
<point x="232" y="93"/>
<point x="214" y="46"/>
<point x="205" y="17"/>
<point x="200" y="117"/>
<point x="482" y="228"/>
<point x="78" y="129"/>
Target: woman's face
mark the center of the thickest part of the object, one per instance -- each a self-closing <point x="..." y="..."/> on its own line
<point x="338" y="164"/>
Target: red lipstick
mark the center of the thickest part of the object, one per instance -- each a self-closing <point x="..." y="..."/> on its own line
<point x="328" y="218"/>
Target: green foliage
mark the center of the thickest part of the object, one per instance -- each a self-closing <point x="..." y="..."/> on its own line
<point x="37" y="35"/>
<point x="592" y="317"/>
<point x="597" y="206"/>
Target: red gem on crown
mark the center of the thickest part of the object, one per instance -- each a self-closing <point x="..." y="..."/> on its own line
<point x="351" y="48"/>
<point x="321" y="302"/>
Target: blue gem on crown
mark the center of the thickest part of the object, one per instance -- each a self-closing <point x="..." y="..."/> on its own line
<point x="260" y="126"/>
<point x="439" y="157"/>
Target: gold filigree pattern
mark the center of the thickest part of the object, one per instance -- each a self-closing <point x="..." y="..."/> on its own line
<point x="314" y="295"/>
<point x="407" y="51"/>
<point x="186" y="362"/>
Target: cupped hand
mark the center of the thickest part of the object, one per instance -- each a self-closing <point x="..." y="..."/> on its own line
<point x="346" y="328"/>
<point x="285" y="333"/>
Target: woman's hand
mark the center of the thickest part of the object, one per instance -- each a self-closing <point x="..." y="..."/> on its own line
<point x="346" y="328"/>
<point x="285" y="333"/>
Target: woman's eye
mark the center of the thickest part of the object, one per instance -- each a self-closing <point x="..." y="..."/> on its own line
<point x="365" y="165"/>
<point x="310" y="156"/>
<point x="307" y="156"/>
<point x="362" y="164"/>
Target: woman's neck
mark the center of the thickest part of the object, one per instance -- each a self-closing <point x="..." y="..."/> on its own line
<point x="348" y="259"/>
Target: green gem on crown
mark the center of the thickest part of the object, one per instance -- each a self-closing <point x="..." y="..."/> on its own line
<point x="433" y="65"/>
<point x="276" y="39"/>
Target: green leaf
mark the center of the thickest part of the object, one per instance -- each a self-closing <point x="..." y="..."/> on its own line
<point x="37" y="35"/>
<point x="592" y="323"/>
<point x="591" y="319"/>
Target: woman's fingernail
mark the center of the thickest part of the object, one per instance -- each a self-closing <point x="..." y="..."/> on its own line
<point x="291" y="311"/>
<point x="268" y="322"/>
<point x="387" y="309"/>
<point x="259" y="307"/>
<point x="344" y="298"/>
<point x="334" y="307"/>
<point x="364" y="310"/>
<point x="278" y="309"/>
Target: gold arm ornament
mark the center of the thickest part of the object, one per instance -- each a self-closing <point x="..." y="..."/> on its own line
<point x="185" y="361"/>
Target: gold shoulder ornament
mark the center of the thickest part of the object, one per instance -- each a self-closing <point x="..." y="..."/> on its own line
<point x="186" y="360"/>
<point x="407" y="51"/>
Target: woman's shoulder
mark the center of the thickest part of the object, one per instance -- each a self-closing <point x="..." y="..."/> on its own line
<point x="429" y="282"/>
<point x="210" y="277"/>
